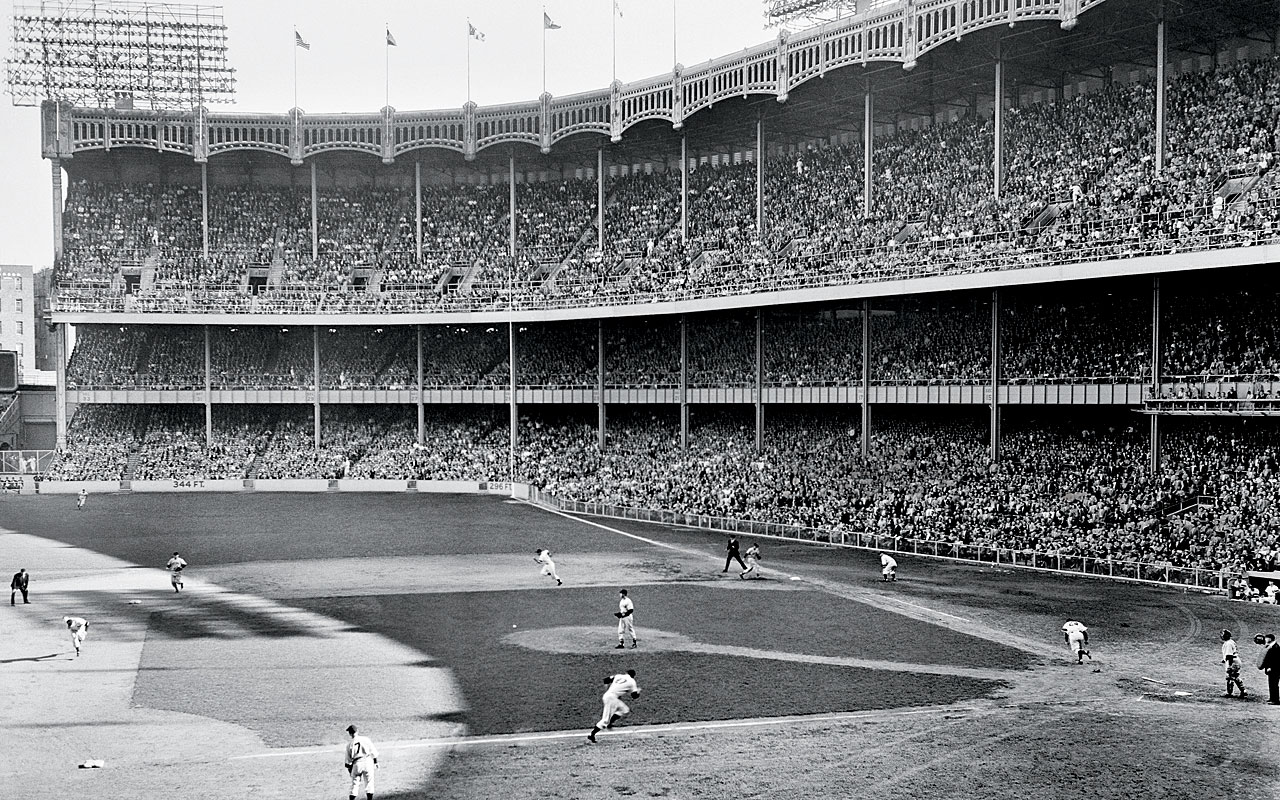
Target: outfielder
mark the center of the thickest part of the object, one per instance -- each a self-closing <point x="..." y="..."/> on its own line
<point x="615" y="708"/>
<point x="1077" y="636"/>
<point x="81" y="498"/>
<point x="626" y="620"/>
<point x="78" y="627"/>
<point x="888" y="568"/>
<point x="543" y="557"/>
<point x="1231" y="657"/>
<point x="175" y="566"/>
<point x="361" y="761"/>
<point x="753" y="562"/>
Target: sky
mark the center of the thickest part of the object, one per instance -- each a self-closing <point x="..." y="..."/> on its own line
<point x="346" y="68"/>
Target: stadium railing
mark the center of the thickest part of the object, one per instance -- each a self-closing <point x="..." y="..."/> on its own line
<point x="1162" y="574"/>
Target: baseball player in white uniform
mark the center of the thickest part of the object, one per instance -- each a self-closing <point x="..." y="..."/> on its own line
<point x="626" y="620"/>
<point x="888" y="568"/>
<point x="1231" y="658"/>
<point x="753" y="562"/>
<point x="543" y="557"/>
<point x="175" y="566"/>
<point x="81" y="498"/>
<point x="361" y="761"/>
<point x="78" y="627"/>
<point x="615" y="708"/>
<point x="1077" y="636"/>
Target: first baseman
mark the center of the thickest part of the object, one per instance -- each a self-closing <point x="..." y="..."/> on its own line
<point x="888" y="568"/>
<point x="361" y="761"/>
<point x="615" y="708"/>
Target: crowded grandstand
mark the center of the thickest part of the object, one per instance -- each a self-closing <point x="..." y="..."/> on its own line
<point x="806" y="313"/>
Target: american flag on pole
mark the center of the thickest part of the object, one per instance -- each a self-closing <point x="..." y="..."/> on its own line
<point x="547" y="24"/>
<point x="391" y="40"/>
<point x="473" y="33"/>
<point x="300" y="42"/>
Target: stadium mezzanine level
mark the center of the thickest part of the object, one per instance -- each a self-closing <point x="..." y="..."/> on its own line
<point x="763" y="369"/>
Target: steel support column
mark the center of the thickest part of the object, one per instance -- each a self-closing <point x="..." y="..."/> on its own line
<point x="417" y="211"/>
<point x="600" y="199"/>
<point x="995" y="375"/>
<point x="422" y="411"/>
<point x="55" y="171"/>
<point x="684" y="188"/>
<point x="315" y="215"/>
<point x="684" y="383"/>
<point x="60" y="391"/>
<point x="1156" y="367"/>
<point x="759" y="385"/>
<point x="868" y="144"/>
<point x="315" y="364"/>
<point x="208" y="387"/>
<point x="1161" y="89"/>
<point x="866" y="380"/>
<point x="760" y="179"/>
<point x="998" y="106"/>
<point x="600" y="410"/>
<point x="204" y="207"/>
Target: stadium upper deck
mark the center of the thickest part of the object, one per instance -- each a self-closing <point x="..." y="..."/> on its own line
<point x="707" y="192"/>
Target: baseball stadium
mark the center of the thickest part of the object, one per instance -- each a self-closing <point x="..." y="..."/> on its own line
<point x="979" y="287"/>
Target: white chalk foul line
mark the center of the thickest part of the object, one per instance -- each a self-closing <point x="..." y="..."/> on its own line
<point x="674" y="727"/>
<point x="689" y="551"/>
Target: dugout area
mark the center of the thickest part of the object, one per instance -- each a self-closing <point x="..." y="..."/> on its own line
<point x="397" y="612"/>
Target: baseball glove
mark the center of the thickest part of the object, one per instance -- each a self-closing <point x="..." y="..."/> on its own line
<point x="634" y="695"/>
<point x="619" y="614"/>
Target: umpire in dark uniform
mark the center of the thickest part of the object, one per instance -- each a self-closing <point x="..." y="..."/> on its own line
<point x="19" y="584"/>
<point x="1269" y="662"/>
<point x="731" y="553"/>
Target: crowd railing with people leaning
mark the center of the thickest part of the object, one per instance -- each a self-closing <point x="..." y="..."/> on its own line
<point x="1211" y="580"/>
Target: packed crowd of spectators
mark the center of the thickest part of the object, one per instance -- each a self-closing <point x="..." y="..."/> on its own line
<point x="1072" y="486"/>
<point x="1084" y="334"/>
<point x="1080" y="184"/>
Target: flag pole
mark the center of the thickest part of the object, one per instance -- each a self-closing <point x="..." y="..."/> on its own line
<point x="386" y="49"/>
<point x="614" y="18"/>
<point x="675" y="52"/>
<point x="468" y="60"/>
<point x="544" y="49"/>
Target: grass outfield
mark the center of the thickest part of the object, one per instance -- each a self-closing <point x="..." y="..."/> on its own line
<point x="306" y="612"/>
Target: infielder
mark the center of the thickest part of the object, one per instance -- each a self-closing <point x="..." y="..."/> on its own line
<point x="888" y="568"/>
<point x="1231" y="657"/>
<point x="615" y="708"/>
<point x="626" y="620"/>
<point x="78" y="627"/>
<point x="1077" y="636"/>
<point x="361" y="761"/>
<point x="175" y="566"/>
<point x="543" y="557"/>
<point x="753" y="562"/>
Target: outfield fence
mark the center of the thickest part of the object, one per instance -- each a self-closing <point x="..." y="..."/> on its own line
<point x="1134" y="571"/>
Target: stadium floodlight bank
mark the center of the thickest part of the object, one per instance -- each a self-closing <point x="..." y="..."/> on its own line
<point x="166" y="56"/>
<point x="814" y="12"/>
